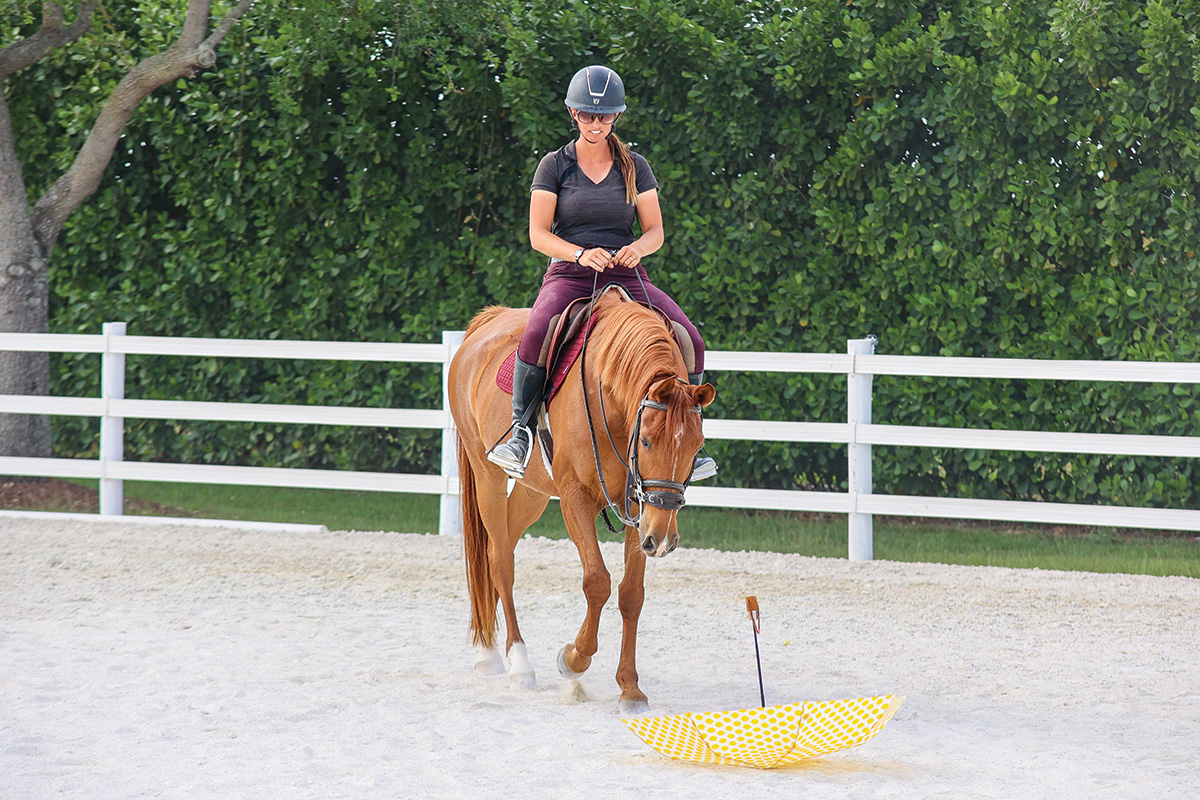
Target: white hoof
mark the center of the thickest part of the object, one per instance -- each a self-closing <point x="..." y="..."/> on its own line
<point x="630" y="707"/>
<point x="520" y="670"/>
<point x="563" y="669"/>
<point x="523" y="683"/>
<point x="488" y="661"/>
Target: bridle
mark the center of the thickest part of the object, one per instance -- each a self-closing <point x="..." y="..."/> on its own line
<point x="664" y="494"/>
<point x="643" y="491"/>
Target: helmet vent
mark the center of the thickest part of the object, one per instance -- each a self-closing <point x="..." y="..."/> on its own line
<point x="597" y="96"/>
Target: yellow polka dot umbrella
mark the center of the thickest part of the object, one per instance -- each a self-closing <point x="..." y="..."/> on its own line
<point x="770" y="736"/>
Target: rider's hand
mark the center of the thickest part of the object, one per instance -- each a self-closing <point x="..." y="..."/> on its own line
<point x="627" y="256"/>
<point x="597" y="258"/>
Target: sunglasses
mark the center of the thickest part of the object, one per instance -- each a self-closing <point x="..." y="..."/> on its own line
<point x="587" y="118"/>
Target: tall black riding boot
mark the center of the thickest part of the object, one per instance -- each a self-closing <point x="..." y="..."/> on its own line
<point x="703" y="467"/>
<point x="528" y="383"/>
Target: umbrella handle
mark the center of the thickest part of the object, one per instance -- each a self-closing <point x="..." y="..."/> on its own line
<point x="752" y="607"/>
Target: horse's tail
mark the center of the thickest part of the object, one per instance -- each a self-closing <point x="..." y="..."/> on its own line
<point x="475" y="544"/>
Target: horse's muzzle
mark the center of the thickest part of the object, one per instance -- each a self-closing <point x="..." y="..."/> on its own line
<point x="657" y="549"/>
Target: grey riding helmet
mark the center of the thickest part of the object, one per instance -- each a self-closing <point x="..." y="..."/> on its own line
<point x="596" y="89"/>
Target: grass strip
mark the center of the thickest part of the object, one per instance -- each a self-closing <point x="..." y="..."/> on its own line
<point x="966" y="543"/>
<point x="824" y="535"/>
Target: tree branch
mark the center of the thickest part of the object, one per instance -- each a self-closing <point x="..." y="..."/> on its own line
<point x="208" y="48"/>
<point x="181" y="59"/>
<point x="50" y="36"/>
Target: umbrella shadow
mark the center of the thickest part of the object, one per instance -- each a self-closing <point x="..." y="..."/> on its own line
<point x="848" y="765"/>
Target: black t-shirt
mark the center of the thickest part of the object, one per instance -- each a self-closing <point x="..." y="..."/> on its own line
<point x="591" y="214"/>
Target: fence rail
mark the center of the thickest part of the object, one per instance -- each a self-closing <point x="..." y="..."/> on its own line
<point x="858" y="433"/>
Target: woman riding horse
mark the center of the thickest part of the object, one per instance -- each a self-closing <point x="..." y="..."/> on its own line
<point x="626" y="422"/>
<point x="582" y="207"/>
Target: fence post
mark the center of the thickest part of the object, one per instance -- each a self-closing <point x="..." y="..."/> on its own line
<point x="858" y="412"/>
<point x="112" y="429"/>
<point x="450" y="513"/>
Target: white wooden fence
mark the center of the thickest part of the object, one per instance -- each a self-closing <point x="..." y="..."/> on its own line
<point x="859" y="364"/>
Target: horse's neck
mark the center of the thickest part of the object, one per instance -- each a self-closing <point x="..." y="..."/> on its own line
<point x="632" y="386"/>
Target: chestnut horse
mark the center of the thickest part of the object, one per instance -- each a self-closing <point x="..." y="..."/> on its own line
<point x="636" y="384"/>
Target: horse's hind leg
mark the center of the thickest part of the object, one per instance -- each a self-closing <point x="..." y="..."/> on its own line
<point x="630" y="597"/>
<point x="520" y="510"/>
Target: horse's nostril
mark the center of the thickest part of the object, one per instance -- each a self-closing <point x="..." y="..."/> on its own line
<point x="648" y="544"/>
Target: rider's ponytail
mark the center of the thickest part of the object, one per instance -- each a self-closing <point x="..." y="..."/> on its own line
<point x="621" y="155"/>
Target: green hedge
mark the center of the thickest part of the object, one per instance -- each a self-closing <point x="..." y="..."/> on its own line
<point x="963" y="178"/>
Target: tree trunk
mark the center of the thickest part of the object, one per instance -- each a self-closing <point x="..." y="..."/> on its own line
<point x="27" y="237"/>
<point x="24" y="303"/>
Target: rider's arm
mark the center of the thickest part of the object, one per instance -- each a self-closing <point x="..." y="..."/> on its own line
<point x="650" y="219"/>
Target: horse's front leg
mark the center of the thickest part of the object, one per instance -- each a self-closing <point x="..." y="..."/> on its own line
<point x="630" y="596"/>
<point x="580" y="517"/>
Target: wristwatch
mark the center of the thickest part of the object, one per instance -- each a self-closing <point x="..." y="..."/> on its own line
<point x="578" y="255"/>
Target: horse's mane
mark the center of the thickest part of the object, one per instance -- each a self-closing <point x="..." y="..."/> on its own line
<point x="482" y="318"/>
<point x="633" y="351"/>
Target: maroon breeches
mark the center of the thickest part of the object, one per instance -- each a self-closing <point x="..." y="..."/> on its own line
<point x="565" y="282"/>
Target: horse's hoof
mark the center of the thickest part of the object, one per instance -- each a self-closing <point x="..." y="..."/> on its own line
<point x="633" y="705"/>
<point x="520" y="670"/>
<point x="488" y="661"/>
<point x="523" y="681"/>
<point x="563" y="669"/>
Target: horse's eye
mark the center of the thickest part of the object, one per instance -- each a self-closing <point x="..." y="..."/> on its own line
<point x="645" y="443"/>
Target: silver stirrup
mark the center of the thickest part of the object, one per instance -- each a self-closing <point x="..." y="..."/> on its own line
<point x="704" y="467"/>
<point x="503" y="455"/>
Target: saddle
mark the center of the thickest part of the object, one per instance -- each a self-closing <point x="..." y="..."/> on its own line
<point x="566" y="343"/>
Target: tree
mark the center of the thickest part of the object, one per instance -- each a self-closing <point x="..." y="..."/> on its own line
<point x="28" y="232"/>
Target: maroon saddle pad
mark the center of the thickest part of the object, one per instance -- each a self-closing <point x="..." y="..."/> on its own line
<point x="565" y="360"/>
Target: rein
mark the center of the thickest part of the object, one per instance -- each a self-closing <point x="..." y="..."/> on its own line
<point x="635" y="485"/>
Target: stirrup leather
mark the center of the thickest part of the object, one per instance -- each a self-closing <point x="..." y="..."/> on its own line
<point x="703" y="467"/>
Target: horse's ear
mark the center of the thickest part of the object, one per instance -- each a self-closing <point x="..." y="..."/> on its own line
<point x="660" y="391"/>
<point x="704" y="394"/>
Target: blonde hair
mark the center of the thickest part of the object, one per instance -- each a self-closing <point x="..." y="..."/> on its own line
<point x="621" y="155"/>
